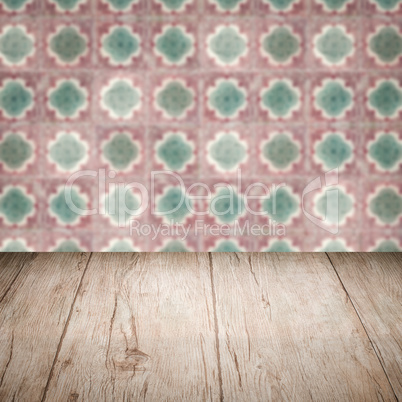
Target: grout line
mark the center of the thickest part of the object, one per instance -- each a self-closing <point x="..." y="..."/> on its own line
<point x="65" y="330"/>
<point x="364" y="327"/>
<point x="211" y="271"/>
<point x="33" y="256"/>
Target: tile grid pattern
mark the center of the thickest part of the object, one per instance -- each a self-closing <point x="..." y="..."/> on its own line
<point x="360" y="232"/>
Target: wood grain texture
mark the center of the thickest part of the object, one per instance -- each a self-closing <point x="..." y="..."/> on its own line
<point x="288" y="331"/>
<point x="33" y="315"/>
<point x="142" y="329"/>
<point x="374" y="284"/>
<point x="10" y="266"/>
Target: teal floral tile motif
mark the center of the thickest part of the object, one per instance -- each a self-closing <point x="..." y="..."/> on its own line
<point x="335" y="205"/>
<point x="334" y="246"/>
<point x="384" y="99"/>
<point x="67" y="99"/>
<point x="17" y="205"/>
<point x="121" y="99"/>
<point x="121" y="205"/>
<point x="120" y="45"/>
<point x="281" y="246"/>
<point x="174" y="6"/>
<point x="174" y="45"/>
<point x="120" y="6"/>
<point x="67" y="207"/>
<point x="67" y="6"/>
<point x="227" y="151"/>
<point x="174" y="246"/>
<point x="17" y="245"/>
<point x="227" y="246"/>
<point x="174" y="205"/>
<point x="68" y="151"/>
<point x="66" y="240"/>
<point x="175" y="151"/>
<point x="15" y="6"/>
<point x="68" y="45"/>
<point x="227" y="45"/>
<point x="17" y="152"/>
<point x="334" y="45"/>
<point x="120" y="246"/>
<point x="281" y="151"/>
<point x="17" y="45"/>
<point x="387" y="246"/>
<point x="227" y="99"/>
<point x="385" y="205"/>
<point x="335" y="6"/>
<point x="333" y="150"/>
<point x="386" y="6"/>
<point x="121" y="151"/>
<point x="174" y="99"/>
<point x="385" y="151"/>
<point x="17" y="99"/>
<point x="333" y="99"/>
<point x="227" y="6"/>
<point x="280" y="99"/>
<point x="227" y="206"/>
<point x="282" y="205"/>
<point x="384" y="45"/>
<point x="282" y="6"/>
<point x="281" y="45"/>
<point x="68" y="246"/>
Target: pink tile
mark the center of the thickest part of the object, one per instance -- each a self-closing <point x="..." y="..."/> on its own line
<point x="31" y="59"/>
<point x="190" y="60"/>
<point x="53" y="82"/>
<point x="139" y="31"/>
<point x="265" y="135"/>
<point x="137" y="166"/>
<point x="54" y="27"/>
<point x="244" y="30"/>
<point x="187" y="7"/>
<point x="82" y="7"/>
<point x="108" y="7"/>
<point x="297" y="28"/>
<point x="289" y="8"/>
<point x="184" y="114"/>
<point x="31" y="135"/>
<point x="30" y="82"/>
<point x="162" y="140"/>
<point x="242" y="83"/>
<point x="372" y="27"/>
<point x="350" y="29"/>
<point x="106" y="82"/>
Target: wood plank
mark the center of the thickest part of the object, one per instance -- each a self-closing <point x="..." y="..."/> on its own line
<point x="288" y="331"/>
<point x="374" y="284"/>
<point x="33" y="315"/>
<point x="142" y="328"/>
<point x="10" y="266"/>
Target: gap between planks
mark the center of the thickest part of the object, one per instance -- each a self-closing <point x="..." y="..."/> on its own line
<point x="364" y="326"/>
<point x="65" y="330"/>
<point x="218" y="354"/>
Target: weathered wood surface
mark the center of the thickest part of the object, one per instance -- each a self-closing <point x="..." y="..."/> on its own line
<point x="288" y="331"/>
<point x="11" y="265"/>
<point x="374" y="284"/>
<point x="142" y="328"/>
<point x="200" y="327"/>
<point x="33" y="315"/>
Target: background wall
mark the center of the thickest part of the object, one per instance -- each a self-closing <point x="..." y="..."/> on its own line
<point x="283" y="90"/>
